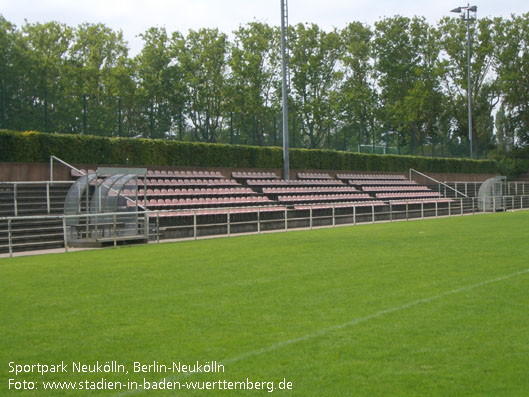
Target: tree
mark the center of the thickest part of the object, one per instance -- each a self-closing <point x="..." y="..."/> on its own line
<point x="485" y="94"/>
<point x="98" y="56"/>
<point x="397" y="62"/>
<point x="423" y="107"/>
<point x="160" y="92"/>
<point x="512" y="51"/>
<point x="358" y="94"/>
<point x="202" y="56"/>
<point x="11" y="75"/>
<point x="254" y="93"/>
<point x="315" y="79"/>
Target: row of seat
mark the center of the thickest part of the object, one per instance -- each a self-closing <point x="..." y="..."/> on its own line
<point x="186" y="174"/>
<point x="202" y="202"/>
<point x="324" y="197"/>
<point x="411" y="188"/>
<point x="380" y="182"/>
<point x="386" y="177"/>
<point x="254" y="175"/>
<point x="297" y="182"/>
<point x="421" y="201"/>
<point x="216" y="211"/>
<point x="299" y="190"/>
<point x="191" y="192"/>
<point x="406" y="195"/>
<point x="357" y="204"/>
<point x="163" y="173"/>
<point x="192" y="182"/>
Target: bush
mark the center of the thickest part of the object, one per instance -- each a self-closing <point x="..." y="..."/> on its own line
<point x="37" y="147"/>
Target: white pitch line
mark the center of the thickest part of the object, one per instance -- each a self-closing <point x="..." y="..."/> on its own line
<point x="350" y="323"/>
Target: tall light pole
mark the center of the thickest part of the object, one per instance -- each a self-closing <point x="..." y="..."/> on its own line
<point x="284" y="25"/>
<point x="465" y="14"/>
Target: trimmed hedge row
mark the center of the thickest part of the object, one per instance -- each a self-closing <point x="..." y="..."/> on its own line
<point x="37" y="147"/>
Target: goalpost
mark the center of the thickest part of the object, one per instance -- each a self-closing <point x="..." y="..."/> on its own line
<point x="378" y="149"/>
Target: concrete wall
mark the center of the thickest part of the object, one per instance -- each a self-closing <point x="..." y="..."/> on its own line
<point x="13" y="172"/>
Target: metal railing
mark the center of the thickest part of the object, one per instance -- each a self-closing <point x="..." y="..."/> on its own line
<point x="471" y="188"/>
<point x="14" y="187"/>
<point x="54" y="158"/>
<point x="230" y="221"/>
<point x="437" y="182"/>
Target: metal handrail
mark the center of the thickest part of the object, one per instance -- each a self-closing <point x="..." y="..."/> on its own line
<point x="52" y="157"/>
<point x="436" y="181"/>
<point x="459" y="206"/>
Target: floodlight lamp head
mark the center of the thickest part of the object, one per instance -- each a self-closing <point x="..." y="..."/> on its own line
<point x="473" y="9"/>
<point x="456" y="10"/>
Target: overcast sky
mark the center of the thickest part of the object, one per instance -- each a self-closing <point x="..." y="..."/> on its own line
<point x="136" y="16"/>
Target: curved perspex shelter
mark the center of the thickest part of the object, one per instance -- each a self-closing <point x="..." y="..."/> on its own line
<point x="490" y="194"/>
<point x="104" y="206"/>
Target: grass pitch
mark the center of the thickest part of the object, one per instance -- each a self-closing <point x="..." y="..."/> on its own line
<point x="432" y="307"/>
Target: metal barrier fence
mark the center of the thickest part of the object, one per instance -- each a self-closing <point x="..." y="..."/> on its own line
<point x="194" y="224"/>
<point x="13" y="192"/>
<point x="471" y="188"/>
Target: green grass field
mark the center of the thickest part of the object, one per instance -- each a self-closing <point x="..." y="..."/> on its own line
<point x="431" y="307"/>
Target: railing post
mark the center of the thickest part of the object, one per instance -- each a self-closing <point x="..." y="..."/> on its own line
<point x="9" y="239"/>
<point x="372" y="213"/>
<point x="146" y="225"/>
<point x="286" y="219"/>
<point x="115" y="231"/>
<point x="229" y="224"/>
<point x="422" y="209"/>
<point x="494" y="203"/>
<point x="333" y="215"/>
<point x="64" y="231"/>
<point x="461" y="204"/>
<point x="450" y="208"/>
<point x="51" y="168"/>
<point x="48" y="205"/>
<point x="158" y="227"/>
<point x="195" y="224"/>
<point x="15" y="198"/>
<point x="473" y="206"/>
<point x="436" y="209"/>
<point x="259" y="220"/>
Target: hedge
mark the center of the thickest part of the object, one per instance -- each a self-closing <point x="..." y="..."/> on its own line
<point x="37" y="147"/>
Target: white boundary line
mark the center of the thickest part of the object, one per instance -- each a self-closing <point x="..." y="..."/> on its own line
<point x="350" y="323"/>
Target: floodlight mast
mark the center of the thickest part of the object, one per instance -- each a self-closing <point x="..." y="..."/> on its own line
<point x="467" y="10"/>
<point x="284" y="26"/>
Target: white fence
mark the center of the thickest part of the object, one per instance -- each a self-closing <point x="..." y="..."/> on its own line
<point x="156" y="226"/>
